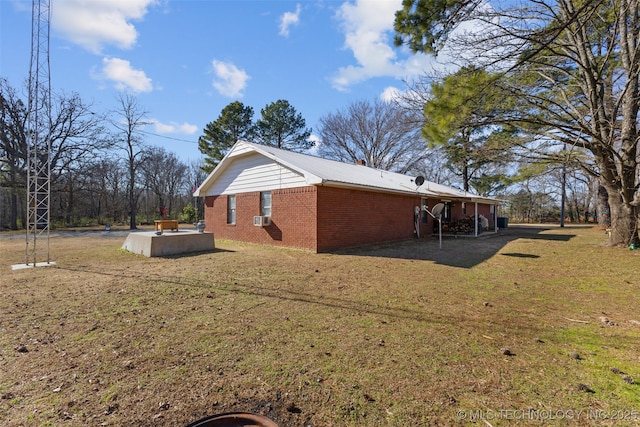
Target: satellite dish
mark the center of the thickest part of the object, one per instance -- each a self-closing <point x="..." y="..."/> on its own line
<point x="437" y="209"/>
<point x="419" y="180"/>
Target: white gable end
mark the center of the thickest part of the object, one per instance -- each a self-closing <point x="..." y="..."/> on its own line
<point x="254" y="172"/>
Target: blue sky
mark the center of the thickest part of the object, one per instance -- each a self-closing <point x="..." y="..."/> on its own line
<point x="185" y="60"/>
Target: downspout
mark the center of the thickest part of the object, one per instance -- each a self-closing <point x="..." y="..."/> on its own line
<point x="476" y="217"/>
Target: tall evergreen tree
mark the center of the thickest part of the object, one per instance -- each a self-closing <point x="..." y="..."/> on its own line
<point x="459" y="117"/>
<point x="283" y="127"/>
<point x="573" y="67"/>
<point x="234" y="123"/>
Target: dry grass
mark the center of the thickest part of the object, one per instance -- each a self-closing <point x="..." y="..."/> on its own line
<point x="392" y="335"/>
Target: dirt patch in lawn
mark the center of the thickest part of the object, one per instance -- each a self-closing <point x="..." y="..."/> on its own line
<point x="531" y="323"/>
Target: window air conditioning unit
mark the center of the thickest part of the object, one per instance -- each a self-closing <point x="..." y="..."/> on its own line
<point x="261" y="221"/>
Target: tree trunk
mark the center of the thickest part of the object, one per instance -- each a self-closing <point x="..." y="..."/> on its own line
<point x="161" y="205"/>
<point x="589" y="206"/>
<point x="602" y="208"/>
<point x="132" y="211"/>
<point x="624" y="221"/>
<point x="131" y="190"/>
<point x="465" y="175"/>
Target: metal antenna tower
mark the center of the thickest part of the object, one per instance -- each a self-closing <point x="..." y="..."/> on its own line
<point x="38" y="137"/>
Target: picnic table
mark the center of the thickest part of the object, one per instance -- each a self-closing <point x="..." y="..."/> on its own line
<point x="161" y="224"/>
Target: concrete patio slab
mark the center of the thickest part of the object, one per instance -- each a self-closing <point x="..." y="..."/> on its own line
<point x="150" y="244"/>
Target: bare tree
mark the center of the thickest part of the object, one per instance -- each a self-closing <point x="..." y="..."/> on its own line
<point x="572" y="71"/>
<point x="13" y="146"/>
<point x="76" y="134"/>
<point x="129" y="119"/>
<point x="165" y="175"/>
<point x="195" y="177"/>
<point x="111" y="186"/>
<point x="435" y="168"/>
<point x="380" y="133"/>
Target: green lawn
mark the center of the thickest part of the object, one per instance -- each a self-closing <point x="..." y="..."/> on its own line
<point x="404" y="334"/>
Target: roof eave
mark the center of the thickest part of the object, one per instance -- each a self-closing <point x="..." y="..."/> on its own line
<point x="340" y="184"/>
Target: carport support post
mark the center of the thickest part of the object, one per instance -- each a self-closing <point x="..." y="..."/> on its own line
<point x="476" y="218"/>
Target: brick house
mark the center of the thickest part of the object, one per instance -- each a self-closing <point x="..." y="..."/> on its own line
<point x="265" y="195"/>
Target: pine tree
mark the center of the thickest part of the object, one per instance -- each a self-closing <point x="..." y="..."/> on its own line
<point x="283" y="127"/>
<point x="234" y="123"/>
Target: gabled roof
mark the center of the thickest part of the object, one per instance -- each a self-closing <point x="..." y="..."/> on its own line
<point x="319" y="171"/>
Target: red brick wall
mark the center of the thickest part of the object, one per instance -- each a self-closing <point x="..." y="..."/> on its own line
<point x="354" y="217"/>
<point x="322" y="219"/>
<point x="293" y="219"/>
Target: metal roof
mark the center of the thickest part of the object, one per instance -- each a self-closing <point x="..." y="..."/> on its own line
<point x="319" y="171"/>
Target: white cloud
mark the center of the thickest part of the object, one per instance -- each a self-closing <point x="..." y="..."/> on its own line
<point x="390" y="93"/>
<point x="96" y="23"/>
<point x="173" y="127"/>
<point x="367" y="32"/>
<point x="317" y="142"/>
<point x="120" y="72"/>
<point x="369" y="35"/>
<point x="288" y="19"/>
<point x="229" y="80"/>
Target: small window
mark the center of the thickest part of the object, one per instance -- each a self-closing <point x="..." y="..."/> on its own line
<point x="464" y="208"/>
<point x="265" y="203"/>
<point x="231" y="209"/>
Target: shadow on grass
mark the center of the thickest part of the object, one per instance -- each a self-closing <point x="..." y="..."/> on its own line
<point x="196" y="253"/>
<point x="430" y="315"/>
<point x="519" y="255"/>
<point x="463" y="252"/>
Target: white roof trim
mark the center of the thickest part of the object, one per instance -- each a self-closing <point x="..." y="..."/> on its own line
<point x="319" y="171"/>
